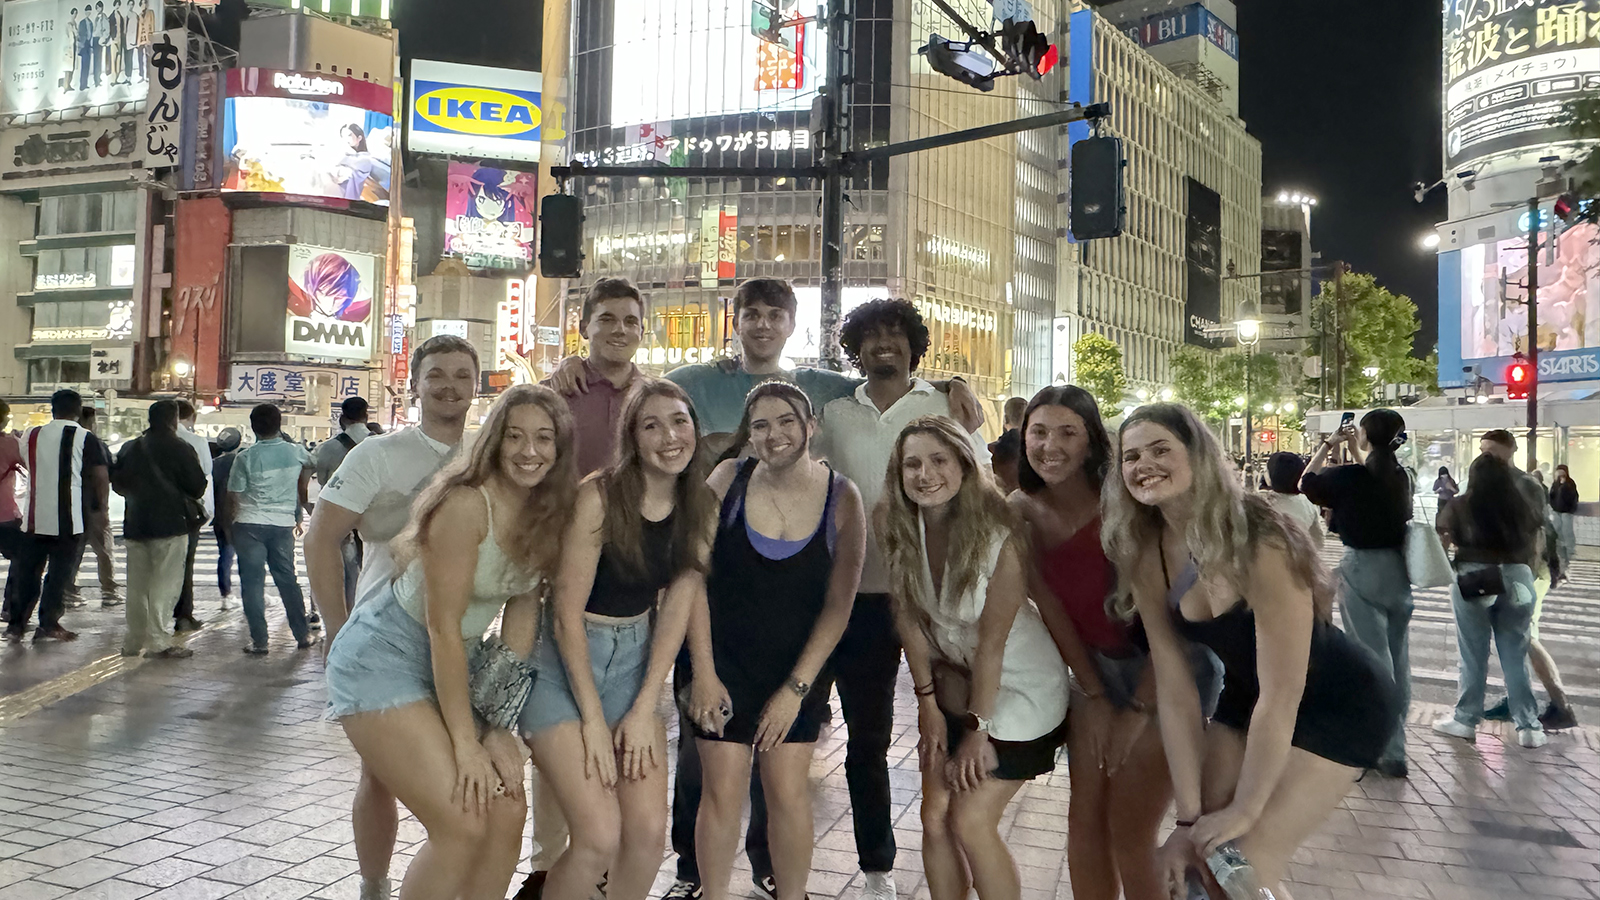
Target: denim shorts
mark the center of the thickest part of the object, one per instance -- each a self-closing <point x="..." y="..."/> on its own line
<point x="1121" y="676"/>
<point x="619" y="652"/>
<point x="381" y="659"/>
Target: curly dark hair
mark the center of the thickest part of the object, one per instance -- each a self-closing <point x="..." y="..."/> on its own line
<point x="873" y="314"/>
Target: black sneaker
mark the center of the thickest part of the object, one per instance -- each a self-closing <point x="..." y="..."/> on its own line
<point x="684" y="890"/>
<point x="533" y="888"/>
<point x="766" y="886"/>
<point x="186" y="623"/>
<point x="1393" y="768"/>
<point x="1558" y="718"/>
<point x="253" y="650"/>
<point x="1500" y="712"/>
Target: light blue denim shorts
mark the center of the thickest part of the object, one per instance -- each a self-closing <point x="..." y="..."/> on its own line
<point x="619" y="653"/>
<point x="381" y="659"/>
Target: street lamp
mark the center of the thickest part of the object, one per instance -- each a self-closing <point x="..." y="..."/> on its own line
<point x="1429" y="241"/>
<point x="182" y="368"/>
<point x="1247" y="322"/>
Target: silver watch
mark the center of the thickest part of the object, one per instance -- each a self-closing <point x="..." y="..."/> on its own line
<point x="801" y="688"/>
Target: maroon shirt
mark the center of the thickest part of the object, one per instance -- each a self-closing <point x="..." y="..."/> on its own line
<point x="595" y="414"/>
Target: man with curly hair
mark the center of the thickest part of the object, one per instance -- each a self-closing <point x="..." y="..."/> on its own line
<point x="886" y="340"/>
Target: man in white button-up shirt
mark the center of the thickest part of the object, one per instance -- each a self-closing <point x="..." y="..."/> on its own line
<point x="886" y="340"/>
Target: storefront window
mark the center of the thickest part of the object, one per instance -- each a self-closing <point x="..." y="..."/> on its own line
<point x="83" y="268"/>
<point x="51" y="372"/>
<point x="1583" y="460"/>
<point x="87" y="213"/>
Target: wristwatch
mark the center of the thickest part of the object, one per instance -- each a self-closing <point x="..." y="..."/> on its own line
<point x="979" y="723"/>
<point x="801" y="688"/>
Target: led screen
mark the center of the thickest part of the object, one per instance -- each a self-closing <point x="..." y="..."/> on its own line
<point x="309" y="148"/>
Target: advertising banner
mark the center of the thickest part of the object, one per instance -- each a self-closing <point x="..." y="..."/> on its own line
<point x="330" y="303"/>
<point x="58" y="54"/>
<point x="311" y="136"/>
<point x="280" y="381"/>
<point x="203" y="229"/>
<point x="474" y="111"/>
<point x="1202" y="305"/>
<point x="84" y="145"/>
<point x="200" y="132"/>
<point x="163" y="117"/>
<point x="1189" y="21"/>
<point x="111" y="365"/>
<point x="1508" y="69"/>
<point x="489" y="217"/>
<point x="1494" y="296"/>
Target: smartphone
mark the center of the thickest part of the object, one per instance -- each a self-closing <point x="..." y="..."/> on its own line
<point x="1346" y="420"/>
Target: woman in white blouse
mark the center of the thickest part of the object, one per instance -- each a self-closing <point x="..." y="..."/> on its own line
<point x="991" y="686"/>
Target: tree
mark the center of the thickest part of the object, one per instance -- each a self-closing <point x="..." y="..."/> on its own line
<point x="1378" y="328"/>
<point x="1581" y="116"/>
<point x="1191" y="380"/>
<point x="1213" y="384"/>
<point x="1099" y="371"/>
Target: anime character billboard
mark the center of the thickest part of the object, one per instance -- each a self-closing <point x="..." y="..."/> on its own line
<point x="330" y="303"/>
<point x="489" y="217"/>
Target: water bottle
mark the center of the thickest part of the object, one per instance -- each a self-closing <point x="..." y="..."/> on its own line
<point x="1235" y="875"/>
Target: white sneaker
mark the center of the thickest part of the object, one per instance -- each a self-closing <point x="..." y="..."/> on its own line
<point x="1450" y="726"/>
<point x="227" y="602"/>
<point x="375" y="889"/>
<point x="879" y="886"/>
<point x="1532" y="738"/>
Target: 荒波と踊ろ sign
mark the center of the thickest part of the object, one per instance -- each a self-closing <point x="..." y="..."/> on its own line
<point x="474" y="111"/>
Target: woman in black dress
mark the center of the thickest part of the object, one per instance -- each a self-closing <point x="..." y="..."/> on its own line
<point x="1304" y="708"/>
<point x="785" y="564"/>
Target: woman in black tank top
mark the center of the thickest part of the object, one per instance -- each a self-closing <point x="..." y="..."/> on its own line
<point x="632" y="564"/>
<point x="1304" y="708"/>
<point x="784" y="570"/>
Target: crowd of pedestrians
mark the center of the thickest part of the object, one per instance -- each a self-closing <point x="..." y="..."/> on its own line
<point x="767" y="538"/>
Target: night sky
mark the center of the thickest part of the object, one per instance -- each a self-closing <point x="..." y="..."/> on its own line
<point x="1344" y="97"/>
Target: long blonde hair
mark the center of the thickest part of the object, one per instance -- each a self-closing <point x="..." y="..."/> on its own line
<point x="977" y="513"/>
<point x="1226" y="528"/>
<point x="535" y="542"/>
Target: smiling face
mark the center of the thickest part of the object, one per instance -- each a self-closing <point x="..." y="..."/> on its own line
<point x="1155" y="464"/>
<point x="886" y="352"/>
<point x="666" y="436"/>
<point x="1057" y="443"/>
<point x="778" y="434"/>
<point x="528" y="449"/>
<point x="445" y="384"/>
<point x="764" y="330"/>
<point x="615" y="328"/>
<point x="930" y="471"/>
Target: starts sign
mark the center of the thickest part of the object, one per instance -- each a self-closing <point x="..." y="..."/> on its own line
<point x="474" y="111"/>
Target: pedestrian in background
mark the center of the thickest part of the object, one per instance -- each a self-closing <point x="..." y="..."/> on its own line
<point x="10" y="513"/>
<point x="1494" y="532"/>
<point x="98" y="540"/>
<point x="227" y="449"/>
<point x="325" y="460"/>
<point x="160" y="477"/>
<point x="1371" y="504"/>
<point x="1005" y="454"/>
<point x="267" y="489"/>
<point x="1563" y="506"/>
<point x="69" y="486"/>
<point x="1284" y="470"/>
<point x="183" y="614"/>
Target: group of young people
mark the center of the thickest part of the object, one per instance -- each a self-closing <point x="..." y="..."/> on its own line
<point x="623" y="527"/>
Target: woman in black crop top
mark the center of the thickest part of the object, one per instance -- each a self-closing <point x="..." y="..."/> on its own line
<point x="635" y="551"/>
<point x="1303" y="709"/>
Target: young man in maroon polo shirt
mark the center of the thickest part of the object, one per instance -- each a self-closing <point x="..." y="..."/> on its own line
<point x="613" y="321"/>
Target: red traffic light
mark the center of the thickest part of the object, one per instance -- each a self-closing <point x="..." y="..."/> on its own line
<point x="1048" y="61"/>
<point x="1519" y="377"/>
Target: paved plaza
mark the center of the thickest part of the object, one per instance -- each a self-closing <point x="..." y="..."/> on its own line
<point x="217" y="777"/>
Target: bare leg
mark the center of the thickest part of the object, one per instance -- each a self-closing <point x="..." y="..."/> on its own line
<point x="409" y="751"/>
<point x="643" y="805"/>
<point x="1140" y="794"/>
<point x="942" y="858"/>
<point x="497" y="863"/>
<point x="724" y="782"/>
<point x="592" y="812"/>
<point x="375" y="818"/>
<point x="549" y="825"/>
<point x="1090" y="863"/>
<point x="791" y="833"/>
<point x="975" y="820"/>
<point x="1544" y="666"/>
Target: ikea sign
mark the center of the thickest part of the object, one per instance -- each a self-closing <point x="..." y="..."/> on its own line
<point x="476" y="111"/>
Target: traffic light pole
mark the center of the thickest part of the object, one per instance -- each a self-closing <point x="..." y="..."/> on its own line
<point x="1533" y="333"/>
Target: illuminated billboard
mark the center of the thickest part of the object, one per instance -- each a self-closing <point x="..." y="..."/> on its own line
<point x="318" y="137"/>
<point x="732" y="70"/>
<point x="63" y="53"/>
<point x="1494" y="311"/>
<point x="1508" y="69"/>
<point x="489" y="217"/>
<point x="474" y="111"/>
<point x="330" y="303"/>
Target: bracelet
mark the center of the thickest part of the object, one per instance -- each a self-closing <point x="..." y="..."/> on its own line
<point x="1185" y="823"/>
<point x="923" y="690"/>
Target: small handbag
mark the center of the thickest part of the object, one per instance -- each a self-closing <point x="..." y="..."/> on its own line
<point x="1427" y="565"/>
<point x="499" y="682"/>
<point x="1481" y="584"/>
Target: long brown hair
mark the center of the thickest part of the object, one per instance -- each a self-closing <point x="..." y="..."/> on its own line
<point x="977" y="513"/>
<point x="1227" y="526"/>
<point x="782" y="390"/>
<point x="622" y="486"/>
<point x="535" y="543"/>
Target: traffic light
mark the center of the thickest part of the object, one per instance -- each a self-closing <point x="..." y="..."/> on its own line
<point x="561" y="236"/>
<point x="1519" y="378"/>
<point x="1022" y="43"/>
<point x="961" y="61"/>
<point x="766" y="23"/>
<point x="1099" y="202"/>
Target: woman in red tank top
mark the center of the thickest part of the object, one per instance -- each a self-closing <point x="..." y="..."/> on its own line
<point x="1118" y="770"/>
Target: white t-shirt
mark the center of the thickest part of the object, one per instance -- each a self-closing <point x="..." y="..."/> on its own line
<point x="858" y="441"/>
<point x="1298" y="508"/>
<point x="379" y="479"/>
<point x="202" y="449"/>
